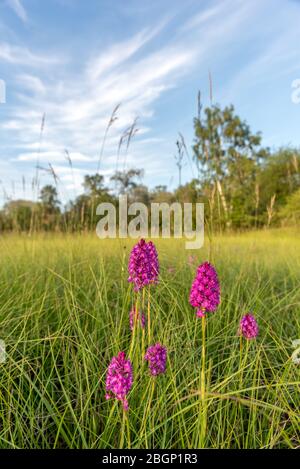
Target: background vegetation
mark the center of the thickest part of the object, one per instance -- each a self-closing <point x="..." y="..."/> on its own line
<point x="243" y="185"/>
<point x="64" y="312"/>
<point x="65" y="302"/>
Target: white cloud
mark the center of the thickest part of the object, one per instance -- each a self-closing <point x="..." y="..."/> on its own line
<point x="18" y="55"/>
<point x="78" y="108"/>
<point x="204" y="16"/>
<point x="276" y="57"/>
<point x="32" y="83"/>
<point x="54" y="155"/>
<point x="18" y="8"/>
<point x="119" y="53"/>
<point x="135" y="72"/>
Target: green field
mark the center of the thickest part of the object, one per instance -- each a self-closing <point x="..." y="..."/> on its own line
<point x="64" y="307"/>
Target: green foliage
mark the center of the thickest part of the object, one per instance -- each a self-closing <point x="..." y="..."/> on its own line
<point x="49" y="198"/>
<point x="224" y="142"/>
<point x="94" y="185"/>
<point x="280" y="175"/>
<point x="65" y="304"/>
<point x="126" y="180"/>
<point x="290" y="213"/>
<point x="246" y="185"/>
<point x="242" y="184"/>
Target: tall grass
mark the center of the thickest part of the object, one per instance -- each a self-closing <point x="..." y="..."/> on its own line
<point x="64" y="312"/>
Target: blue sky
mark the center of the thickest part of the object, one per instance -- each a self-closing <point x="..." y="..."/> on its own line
<point x="75" y="60"/>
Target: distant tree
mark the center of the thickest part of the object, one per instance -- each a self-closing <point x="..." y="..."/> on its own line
<point x="280" y="175"/>
<point x="140" y="193"/>
<point x="49" y="199"/>
<point x="78" y="213"/>
<point x="17" y="214"/>
<point x="47" y="216"/>
<point x="160" y="194"/>
<point x="228" y="156"/>
<point x="126" y="180"/>
<point x="190" y="192"/>
<point x="290" y="213"/>
<point x="94" y="185"/>
<point x="81" y="213"/>
<point x="160" y="188"/>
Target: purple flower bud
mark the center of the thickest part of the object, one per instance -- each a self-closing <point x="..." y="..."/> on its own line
<point x="140" y="319"/>
<point x="248" y="326"/>
<point x="205" y="291"/>
<point x="119" y="379"/>
<point x="143" y="266"/>
<point x="156" y="355"/>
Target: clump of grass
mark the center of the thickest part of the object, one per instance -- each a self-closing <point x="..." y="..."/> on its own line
<point x="64" y="306"/>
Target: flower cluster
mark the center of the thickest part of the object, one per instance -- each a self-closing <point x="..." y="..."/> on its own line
<point x="119" y="379"/>
<point x="156" y="355"/>
<point x="248" y="326"/>
<point x="143" y="270"/>
<point x="140" y="318"/>
<point x="205" y="291"/>
<point x="143" y="267"/>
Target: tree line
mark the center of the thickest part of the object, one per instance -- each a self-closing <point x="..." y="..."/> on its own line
<point x="242" y="184"/>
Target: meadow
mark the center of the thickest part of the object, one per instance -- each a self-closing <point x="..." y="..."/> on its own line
<point x="64" y="313"/>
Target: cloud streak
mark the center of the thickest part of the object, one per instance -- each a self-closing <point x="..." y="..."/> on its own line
<point x="18" y="8"/>
<point x="18" y="55"/>
<point x="141" y="69"/>
<point x="78" y="108"/>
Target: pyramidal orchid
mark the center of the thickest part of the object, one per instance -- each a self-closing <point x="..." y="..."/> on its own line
<point x="119" y="379"/>
<point x="156" y="355"/>
<point x="205" y="297"/>
<point x="143" y="266"/>
<point x="205" y="291"/>
<point x="248" y="326"/>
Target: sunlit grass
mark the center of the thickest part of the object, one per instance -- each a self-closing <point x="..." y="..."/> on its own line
<point x="64" y="312"/>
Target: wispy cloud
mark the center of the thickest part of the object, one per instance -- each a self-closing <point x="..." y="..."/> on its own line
<point x="53" y="156"/>
<point x="140" y="67"/>
<point x="18" y="8"/>
<point x="78" y="108"/>
<point x="18" y="55"/>
<point x="135" y="71"/>
<point x="120" y="52"/>
<point x="275" y="56"/>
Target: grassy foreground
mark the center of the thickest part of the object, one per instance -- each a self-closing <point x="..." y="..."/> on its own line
<point x="64" y="307"/>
